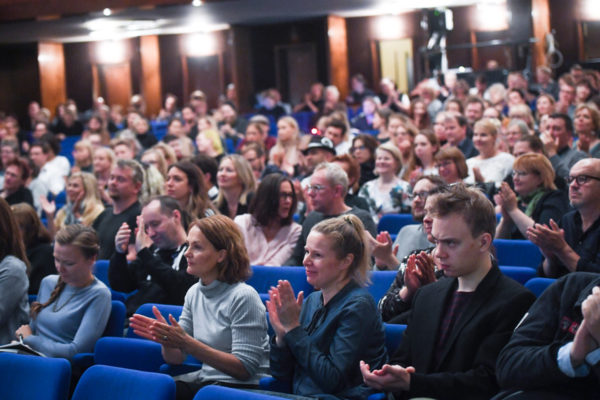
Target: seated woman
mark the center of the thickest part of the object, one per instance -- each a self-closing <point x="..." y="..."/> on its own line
<point x="223" y="323"/>
<point x="236" y="186"/>
<point x="363" y="150"/>
<point x="286" y="153"/>
<point x="451" y="165"/>
<point x="269" y="230"/>
<point x="491" y="165"/>
<point x="387" y="194"/>
<point x="38" y="245"/>
<point x="73" y="306"/>
<point x="536" y="199"/>
<point x="14" y="304"/>
<point x="426" y="146"/>
<point x="83" y="203"/>
<point x="185" y="183"/>
<point x="319" y="342"/>
<point x="83" y="155"/>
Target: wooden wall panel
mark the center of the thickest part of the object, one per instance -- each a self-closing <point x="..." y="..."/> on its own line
<point x="241" y="67"/>
<point x="79" y="78"/>
<point x="541" y="26"/>
<point x="115" y="83"/>
<point x="170" y="68"/>
<point x="151" y="85"/>
<point x="338" y="54"/>
<point x="51" y="63"/>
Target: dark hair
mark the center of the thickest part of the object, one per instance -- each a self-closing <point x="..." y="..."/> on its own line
<point x="11" y="243"/>
<point x="168" y="205"/>
<point x="566" y="118"/>
<point x="53" y="143"/>
<point x="337" y="123"/>
<point x="265" y="202"/>
<point x="368" y="141"/>
<point x="86" y="240"/>
<point x="23" y="165"/>
<point x="518" y="91"/>
<point x="471" y="204"/>
<point x="475" y="99"/>
<point x="434" y="179"/>
<point x="535" y="143"/>
<point x="208" y="165"/>
<point x="353" y="169"/>
<point x="198" y="202"/>
<point x="224" y="234"/>
<point x="454" y="154"/>
<point x="32" y="229"/>
<point x="136" y="168"/>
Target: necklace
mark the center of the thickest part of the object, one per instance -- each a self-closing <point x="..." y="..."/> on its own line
<point x="55" y="308"/>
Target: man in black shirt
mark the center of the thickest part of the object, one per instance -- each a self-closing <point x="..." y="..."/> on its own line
<point x="159" y="272"/>
<point x="124" y="186"/>
<point x="14" y="190"/>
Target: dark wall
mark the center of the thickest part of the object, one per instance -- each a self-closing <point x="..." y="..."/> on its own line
<point x="563" y="19"/>
<point x="265" y="38"/>
<point x="19" y="78"/>
<point x="78" y="74"/>
<point x="170" y="67"/>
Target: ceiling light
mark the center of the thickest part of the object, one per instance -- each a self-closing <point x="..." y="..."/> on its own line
<point x="200" y="44"/>
<point x="196" y="3"/>
<point x="107" y="12"/>
<point x="110" y="52"/>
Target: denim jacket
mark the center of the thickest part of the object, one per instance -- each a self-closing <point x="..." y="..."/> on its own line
<point x="321" y="357"/>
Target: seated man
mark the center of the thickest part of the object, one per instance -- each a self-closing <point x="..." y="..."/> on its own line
<point x="574" y="243"/>
<point x="460" y="323"/>
<point x="16" y="174"/>
<point x="159" y="272"/>
<point x="553" y="353"/>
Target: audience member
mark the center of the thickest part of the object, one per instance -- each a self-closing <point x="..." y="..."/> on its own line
<point x="451" y="165"/>
<point x="350" y="166"/>
<point x="458" y="325"/>
<point x="159" y="271"/>
<point x="553" y="353"/>
<point x="536" y="199"/>
<point x="209" y="168"/>
<point x="223" y="323"/>
<point x="587" y="128"/>
<point x="363" y="150"/>
<point x="73" y="307"/>
<point x="16" y="175"/>
<point x="285" y="154"/>
<point x="327" y="191"/>
<point x="455" y="129"/>
<point x="124" y="187"/>
<point x="186" y="184"/>
<point x="319" y="342"/>
<point x="574" y="243"/>
<point x="387" y="194"/>
<point x="269" y="230"/>
<point x="53" y="168"/>
<point x="559" y="145"/>
<point x="236" y="186"/>
<point x="38" y="245"/>
<point x="83" y="155"/>
<point x="14" y="304"/>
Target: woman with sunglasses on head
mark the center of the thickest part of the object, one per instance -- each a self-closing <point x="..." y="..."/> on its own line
<point x="534" y="199"/>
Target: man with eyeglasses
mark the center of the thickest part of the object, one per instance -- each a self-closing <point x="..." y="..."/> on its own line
<point x="327" y="191"/>
<point x="574" y="243"/>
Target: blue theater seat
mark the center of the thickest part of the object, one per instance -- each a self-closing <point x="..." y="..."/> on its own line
<point x="264" y="277"/>
<point x="519" y="274"/>
<point x="517" y="252"/>
<point x="214" y="392"/>
<point x="26" y="377"/>
<point x="102" y="382"/>
<point x="380" y="283"/>
<point x="392" y="223"/>
<point x="538" y="285"/>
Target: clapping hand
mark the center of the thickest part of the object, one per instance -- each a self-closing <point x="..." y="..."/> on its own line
<point x="284" y="309"/>
<point x="158" y="330"/>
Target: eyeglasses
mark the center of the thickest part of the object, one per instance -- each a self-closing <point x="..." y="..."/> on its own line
<point x="443" y="164"/>
<point x="316" y="188"/>
<point x="353" y="149"/>
<point x="286" y="195"/>
<point x="423" y="195"/>
<point x="520" y="174"/>
<point x="581" y="179"/>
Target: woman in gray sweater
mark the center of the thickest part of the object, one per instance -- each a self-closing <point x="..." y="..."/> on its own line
<point x="223" y="323"/>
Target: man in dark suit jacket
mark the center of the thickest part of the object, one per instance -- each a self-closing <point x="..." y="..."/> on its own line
<point x="460" y="323"/>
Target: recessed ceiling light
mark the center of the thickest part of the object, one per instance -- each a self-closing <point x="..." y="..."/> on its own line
<point x="106" y="12"/>
<point x="196" y="3"/>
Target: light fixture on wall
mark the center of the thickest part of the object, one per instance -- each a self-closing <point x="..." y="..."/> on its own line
<point x="492" y="16"/>
<point x="197" y="3"/>
<point x="110" y="52"/>
<point x="590" y="10"/>
<point x="200" y="44"/>
<point x="107" y="12"/>
<point x="388" y="27"/>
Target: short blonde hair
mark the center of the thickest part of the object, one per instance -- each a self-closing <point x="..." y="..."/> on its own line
<point x="394" y="151"/>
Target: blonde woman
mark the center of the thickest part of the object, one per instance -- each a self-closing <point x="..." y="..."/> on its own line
<point x="286" y="153"/>
<point x="83" y="203"/>
<point x="236" y="185"/>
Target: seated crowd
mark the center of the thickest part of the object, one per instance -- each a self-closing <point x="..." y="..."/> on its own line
<point x="182" y="215"/>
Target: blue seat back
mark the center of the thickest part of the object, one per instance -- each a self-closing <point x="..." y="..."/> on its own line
<point x="26" y="377"/>
<point x="264" y="277"/>
<point x="538" y="285"/>
<point x="380" y="283"/>
<point x="519" y="274"/>
<point x="517" y="252"/>
<point x="102" y="382"/>
<point x="213" y="392"/>
<point x="138" y="354"/>
<point x="392" y="223"/>
<point x="116" y="320"/>
<point x="101" y="272"/>
<point x="393" y="336"/>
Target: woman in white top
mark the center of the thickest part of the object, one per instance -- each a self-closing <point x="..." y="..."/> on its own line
<point x="223" y="323"/>
<point x="388" y="193"/>
<point x="491" y="165"/>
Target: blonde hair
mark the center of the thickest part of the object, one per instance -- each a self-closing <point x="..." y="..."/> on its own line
<point x="92" y="205"/>
<point x="487" y="126"/>
<point x="348" y="236"/>
<point x="394" y="151"/>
